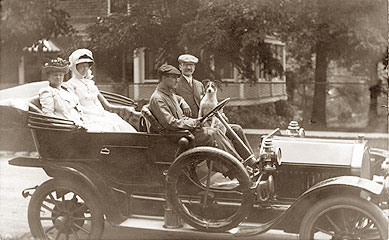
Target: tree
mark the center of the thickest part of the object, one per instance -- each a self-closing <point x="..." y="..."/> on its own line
<point x="235" y="31"/>
<point x="153" y="24"/>
<point x="24" y="22"/>
<point x="353" y="32"/>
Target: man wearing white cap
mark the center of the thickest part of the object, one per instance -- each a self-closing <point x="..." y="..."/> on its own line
<point x="193" y="91"/>
<point x="189" y="88"/>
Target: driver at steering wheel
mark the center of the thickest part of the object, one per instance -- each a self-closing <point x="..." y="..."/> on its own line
<point x="165" y="106"/>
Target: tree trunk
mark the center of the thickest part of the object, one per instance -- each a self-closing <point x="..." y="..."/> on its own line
<point x="373" y="113"/>
<point x="375" y="91"/>
<point x="318" y="117"/>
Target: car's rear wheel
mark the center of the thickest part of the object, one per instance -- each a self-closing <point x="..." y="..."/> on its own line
<point x="346" y="217"/>
<point x="65" y="209"/>
<point x="210" y="192"/>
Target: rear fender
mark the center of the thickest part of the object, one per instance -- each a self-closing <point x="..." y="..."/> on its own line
<point x="344" y="185"/>
<point x="86" y="175"/>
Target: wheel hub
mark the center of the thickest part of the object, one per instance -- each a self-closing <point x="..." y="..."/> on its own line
<point x="63" y="224"/>
<point x="206" y="198"/>
<point x="64" y="218"/>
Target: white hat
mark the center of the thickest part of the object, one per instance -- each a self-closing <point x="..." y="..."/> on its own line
<point x="187" y="58"/>
<point x="84" y="60"/>
<point x="81" y="56"/>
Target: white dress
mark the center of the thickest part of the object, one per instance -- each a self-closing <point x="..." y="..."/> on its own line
<point x="63" y="103"/>
<point x="93" y="111"/>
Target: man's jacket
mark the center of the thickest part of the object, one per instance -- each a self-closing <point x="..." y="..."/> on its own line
<point x="191" y="95"/>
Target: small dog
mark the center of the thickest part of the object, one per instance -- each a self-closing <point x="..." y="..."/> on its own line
<point x="208" y="102"/>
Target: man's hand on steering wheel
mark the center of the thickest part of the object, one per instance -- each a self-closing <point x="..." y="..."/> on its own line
<point x="199" y="124"/>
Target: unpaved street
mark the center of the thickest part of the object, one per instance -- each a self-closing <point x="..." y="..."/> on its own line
<point x="13" y="207"/>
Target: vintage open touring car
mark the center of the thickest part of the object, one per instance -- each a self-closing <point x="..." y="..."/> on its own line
<point x="121" y="178"/>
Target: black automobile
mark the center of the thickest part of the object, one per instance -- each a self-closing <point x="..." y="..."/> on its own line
<point x="158" y="176"/>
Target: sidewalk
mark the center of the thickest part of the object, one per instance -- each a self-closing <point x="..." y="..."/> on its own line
<point x="324" y="134"/>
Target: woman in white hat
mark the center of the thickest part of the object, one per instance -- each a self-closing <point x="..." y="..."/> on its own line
<point x="84" y="87"/>
<point x="56" y="99"/>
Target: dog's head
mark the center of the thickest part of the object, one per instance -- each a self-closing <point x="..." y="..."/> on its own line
<point x="210" y="86"/>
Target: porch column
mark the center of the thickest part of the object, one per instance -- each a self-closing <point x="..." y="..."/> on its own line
<point x="139" y="65"/>
<point x="241" y="91"/>
<point x="284" y="62"/>
<point x="21" y="70"/>
<point x="139" y="70"/>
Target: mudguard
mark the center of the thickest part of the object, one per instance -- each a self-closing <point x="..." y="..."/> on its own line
<point x="85" y="174"/>
<point x="343" y="185"/>
<point x="291" y="219"/>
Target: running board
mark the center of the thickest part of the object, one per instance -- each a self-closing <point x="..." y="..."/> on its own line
<point x="155" y="223"/>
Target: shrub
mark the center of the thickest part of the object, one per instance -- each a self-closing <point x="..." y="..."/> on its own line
<point x="267" y="115"/>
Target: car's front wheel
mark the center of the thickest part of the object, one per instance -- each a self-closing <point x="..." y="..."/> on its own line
<point x="346" y="217"/>
<point x="65" y="209"/>
<point x="210" y="192"/>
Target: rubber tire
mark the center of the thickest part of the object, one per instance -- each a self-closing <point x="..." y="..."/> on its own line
<point x="73" y="186"/>
<point x="368" y="208"/>
<point x="243" y="212"/>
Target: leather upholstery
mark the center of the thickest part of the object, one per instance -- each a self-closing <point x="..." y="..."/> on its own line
<point x="153" y="126"/>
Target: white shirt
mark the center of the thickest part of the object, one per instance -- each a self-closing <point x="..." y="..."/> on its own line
<point x="189" y="80"/>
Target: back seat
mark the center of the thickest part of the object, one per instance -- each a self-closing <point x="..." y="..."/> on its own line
<point x="150" y="122"/>
<point x="34" y="105"/>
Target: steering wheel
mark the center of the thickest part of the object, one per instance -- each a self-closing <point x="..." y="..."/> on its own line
<point x="219" y="107"/>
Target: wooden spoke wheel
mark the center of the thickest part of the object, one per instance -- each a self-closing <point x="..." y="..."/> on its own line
<point x="210" y="192"/>
<point x="65" y="209"/>
<point x="347" y="217"/>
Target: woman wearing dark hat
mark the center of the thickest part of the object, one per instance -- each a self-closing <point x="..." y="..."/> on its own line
<point x="56" y="99"/>
<point x="84" y="87"/>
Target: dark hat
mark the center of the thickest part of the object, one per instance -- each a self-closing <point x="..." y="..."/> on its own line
<point x="168" y="69"/>
<point x="56" y="65"/>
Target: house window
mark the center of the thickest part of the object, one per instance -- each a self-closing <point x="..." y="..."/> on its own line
<point x="227" y="71"/>
<point x="118" y="6"/>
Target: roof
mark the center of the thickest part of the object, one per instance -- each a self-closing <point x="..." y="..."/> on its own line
<point x="44" y="46"/>
<point x="273" y="40"/>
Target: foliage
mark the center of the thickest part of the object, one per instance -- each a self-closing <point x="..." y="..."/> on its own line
<point x="352" y="32"/>
<point x="151" y="24"/>
<point x="24" y="22"/>
<point x="236" y="31"/>
<point x="267" y="115"/>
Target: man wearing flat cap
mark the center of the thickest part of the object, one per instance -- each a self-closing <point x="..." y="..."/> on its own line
<point x="193" y="91"/>
<point x="189" y="88"/>
<point x="165" y="106"/>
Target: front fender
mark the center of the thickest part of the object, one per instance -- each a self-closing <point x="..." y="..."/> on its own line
<point x="347" y="181"/>
<point x="343" y="185"/>
<point x="87" y="175"/>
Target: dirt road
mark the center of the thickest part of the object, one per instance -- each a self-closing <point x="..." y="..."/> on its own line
<point x="13" y="207"/>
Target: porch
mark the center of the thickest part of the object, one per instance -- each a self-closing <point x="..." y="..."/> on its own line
<point x="241" y="94"/>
